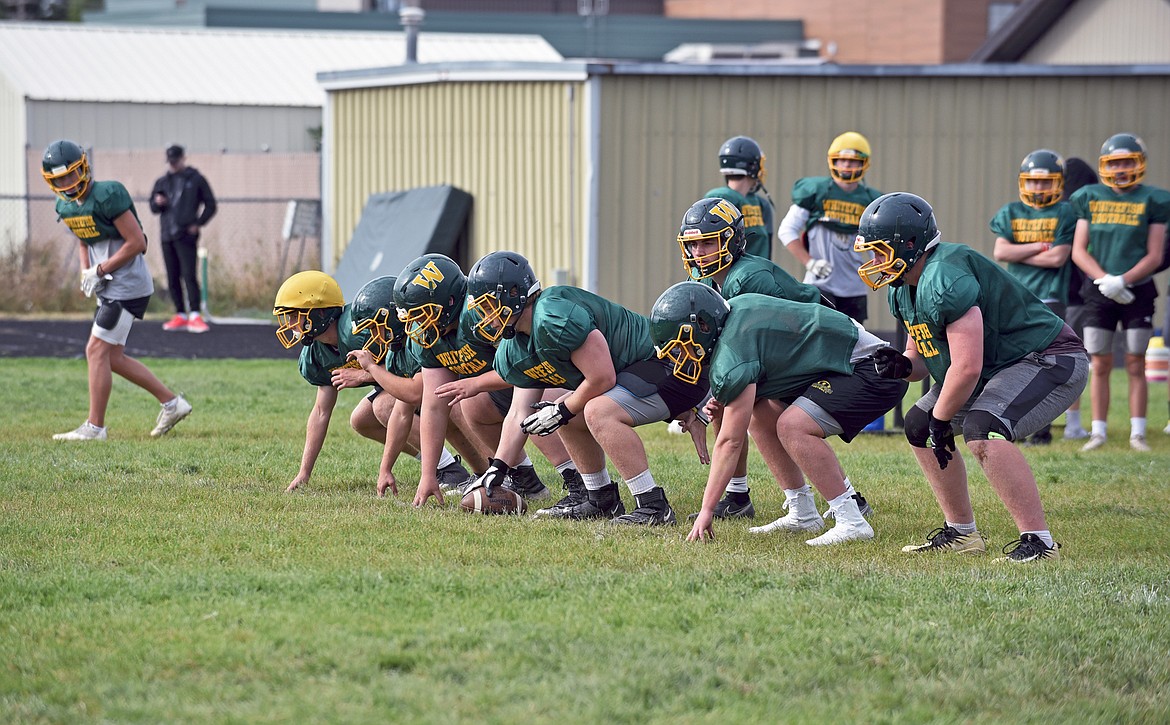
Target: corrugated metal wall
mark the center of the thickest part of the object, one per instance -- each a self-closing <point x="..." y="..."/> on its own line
<point x="956" y="140"/>
<point x="517" y="147"/>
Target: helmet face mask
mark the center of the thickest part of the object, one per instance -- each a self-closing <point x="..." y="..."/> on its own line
<point x="898" y="229"/>
<point x="306" y="305"/>
<point x="65" y="169"/>
<point x="1122" y="163"/>
<point x="429" y="295"/>
<point x="849" y="157"/>
<point x="741" y="156"/>
<point x="685" y="323"/>
<point x="499" y="288"/>
<point x="373" y="312"/>
<point x="719" y="222"/>
<point x="1045" y="170"/>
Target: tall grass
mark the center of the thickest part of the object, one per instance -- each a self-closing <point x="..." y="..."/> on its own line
<point x="172" y="581"/>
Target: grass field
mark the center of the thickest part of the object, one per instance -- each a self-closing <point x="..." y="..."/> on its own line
<point x="174" y="581"/>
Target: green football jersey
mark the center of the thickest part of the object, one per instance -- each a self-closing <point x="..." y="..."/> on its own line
<point x="464" y="354"/>
<point x="955" y="279"/>
<point x="403" y="362"/>
<point x="1119" y="224"/>
<point x="318" y="360"/>
<point x="92" y="221"/>
<point x="757" y="218"/>
<point x="780" y="345"/>
<point x="755" y="275"/>
<point x="562" y="317"/>
<point x="1021" y="224"/>
<point x="830" y="205"/>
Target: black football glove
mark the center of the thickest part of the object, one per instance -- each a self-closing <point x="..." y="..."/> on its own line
<point x="494" y="476"/>
<point x="889" y="363"/>
<point x="942" y="440"/>
<point x="548" y="417"/>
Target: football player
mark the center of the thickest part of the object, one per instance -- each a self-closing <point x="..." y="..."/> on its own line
<point x="599" y="356"/>
<point x="1034" y="238"/>
<point x="457" y="374"/>
<point x="112" y="250"/>
<point x="742" y="164"/>
<point x="1118" y="244"/>
<point x="1003" y="365"/>
<point x="793" y="373"/>
<point x="311" y="311"/>
<point x="711" y="240"/>
<point x="819" y="227"/>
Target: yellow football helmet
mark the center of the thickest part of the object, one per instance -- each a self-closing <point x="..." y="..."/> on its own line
<point x="853" y="146"/>
<point x="306" y="304"/>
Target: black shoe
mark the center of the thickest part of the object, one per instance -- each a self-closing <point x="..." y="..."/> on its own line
<point x="524" y="481"/>
<point x="454" y="478"/>
<point x="1029" y="547"/>
<point x="575" y="490"/>
<point x="604" y="503"/>
<point x="653" y="510"/>
<point x="862" y="506"/>
<point x="1041" y="437"/>
<point x="728" y="508"/>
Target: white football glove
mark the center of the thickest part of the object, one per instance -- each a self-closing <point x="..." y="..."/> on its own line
<point x="820" y="268"/>
<point x="1109" y="285"/>
<point x="90" y="280"/>
<point x="547" y="418"/>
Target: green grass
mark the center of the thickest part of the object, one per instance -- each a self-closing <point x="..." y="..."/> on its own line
<point x="174" y="581"/>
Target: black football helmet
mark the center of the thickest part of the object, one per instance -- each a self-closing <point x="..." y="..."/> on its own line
<point x="741" y="156"/>
<point x="1122" y="146"/>
<point x="685" y="323"/>
<point x="499" y="287"/>
<point x="898" y="229"/>
<point x="429" y="296"/>
<point x="61" y="159"/>
<point x="373" y="310"/>
<point x="306" y="305"/>
<point x="717" y="220"/>
<point x="1042" y="164"/>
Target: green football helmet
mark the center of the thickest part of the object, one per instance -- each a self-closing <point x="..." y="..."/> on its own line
<point x="499" y="287"/>
<point x="372" y="311"/>
<point x="1122" y="146"/>
<point x="717" y="220"/>
<point x="306" y="305"/>
<point x="898" y="229"/>
<point x="429" y="295"/>
<point x="66" y="169"/>
<point x="685" y="323"/>
<point x="1043" y="165"/>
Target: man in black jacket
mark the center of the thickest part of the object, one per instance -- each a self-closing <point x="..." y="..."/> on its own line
<point x="184" y="200"/>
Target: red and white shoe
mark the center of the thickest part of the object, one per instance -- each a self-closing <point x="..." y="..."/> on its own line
<point x="196" y="324"/>
<point x="175" y="324"/>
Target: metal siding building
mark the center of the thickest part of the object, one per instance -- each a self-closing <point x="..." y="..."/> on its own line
<point x="603" y="200"/>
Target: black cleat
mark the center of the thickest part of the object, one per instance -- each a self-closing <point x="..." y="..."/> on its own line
<point x="524" y="481"/>
<point x="454" y="478"/>
<point x="730" y="509"/>
<point x="653" y="510"/>
<point x="604" y="503"/>
<point x="574" y="490"/>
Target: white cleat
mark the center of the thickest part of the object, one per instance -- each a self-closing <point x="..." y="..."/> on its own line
<point x="802" y="516"/>
<point x="169" y="417"/>
<point x="85" y="432"/>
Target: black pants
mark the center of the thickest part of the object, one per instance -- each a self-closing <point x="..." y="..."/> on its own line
<point x="181" y="258"/>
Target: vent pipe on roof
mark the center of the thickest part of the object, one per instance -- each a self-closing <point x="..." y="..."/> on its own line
<point x="411" y="16"/>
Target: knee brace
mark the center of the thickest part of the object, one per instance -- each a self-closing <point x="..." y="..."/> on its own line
<point x="916" y="425"/>
<point x="979" y="425"/>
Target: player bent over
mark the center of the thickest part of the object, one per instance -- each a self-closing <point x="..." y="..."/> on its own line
<point x="1003" y="364"/>
<point x="565" y="337"/>
<point x="795" y="373"/>
<point x="113" y="266"/>
<point x="311" y="311"/>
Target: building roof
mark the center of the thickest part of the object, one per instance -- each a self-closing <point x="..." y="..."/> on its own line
<point x="1020" y="31"/>
<point x="619" y="37"/>
<point x="67" y="62"/>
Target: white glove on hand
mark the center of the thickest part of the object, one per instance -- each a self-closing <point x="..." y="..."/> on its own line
<point x="1124" y="297"/>
<point x="820" y="268"/>
<point x="90" y="280"/>
<point x="1110" y="285"/>
<point x="547" y="418"/>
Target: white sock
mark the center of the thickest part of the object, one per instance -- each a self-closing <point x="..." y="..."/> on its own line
<point x="194" y="316"/>
<point x="1137" y="427"/>
<point x="1072" y="419"/>
<point x="849" y="487"/>
<point x="595" y="481"/>
<point x="641" y="483"/>
<point x="526" y="462"/>
<point x="445" y="458"/>
<point x="963" y="529"/>
<point x="567" y="466"/>
<point x="98" y="428"/>
<point x="1099" y="428"/>
<point x="738" y="484"/>
<point x="791" y="494"/>
<point x="1045" y="536"/>
<point x="183" y="315"/>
